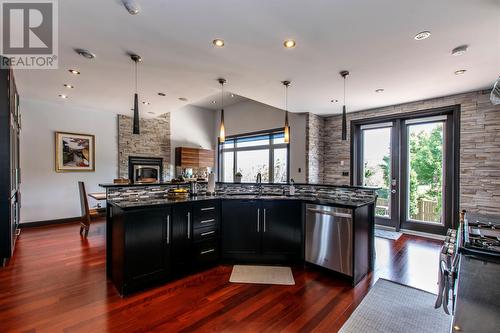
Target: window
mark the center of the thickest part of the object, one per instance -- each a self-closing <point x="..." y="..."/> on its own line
<point x="264" y="152"/>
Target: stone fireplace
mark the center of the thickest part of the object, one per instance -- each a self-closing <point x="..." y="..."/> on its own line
<point x="153" y="142"/>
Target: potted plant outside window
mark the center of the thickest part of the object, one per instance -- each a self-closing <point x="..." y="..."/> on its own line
<point x="237" y="177"/>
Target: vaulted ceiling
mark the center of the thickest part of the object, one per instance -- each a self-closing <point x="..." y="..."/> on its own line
<point x="372" y="39"/>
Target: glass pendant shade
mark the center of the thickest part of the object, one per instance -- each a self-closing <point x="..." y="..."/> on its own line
<point x="344" y="75"/>
<point x="222" y="130"/>
<point x="287" y="129"/>
<point x="287" y="125"/>
<point x="344" y="124"/>
<point x="136" y="129"/>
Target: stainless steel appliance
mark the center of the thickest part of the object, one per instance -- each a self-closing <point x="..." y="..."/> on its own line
<point x="329" y="238"/>
<point x="146" y="174"/>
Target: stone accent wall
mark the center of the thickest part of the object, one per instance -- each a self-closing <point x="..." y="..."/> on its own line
<point x="314" y="148"/>
<point x="479" y="147"/>
<point x="154" y="141"/>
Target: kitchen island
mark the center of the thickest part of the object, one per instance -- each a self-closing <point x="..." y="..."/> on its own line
<point x="152" y="239"/>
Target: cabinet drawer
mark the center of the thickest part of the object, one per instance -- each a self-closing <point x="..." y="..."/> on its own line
<point x="201" y="234"/>
<point x="206" y="252"/>
<point x="205" y="214"/>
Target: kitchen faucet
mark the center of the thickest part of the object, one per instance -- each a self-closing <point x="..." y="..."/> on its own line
<point x="259" y="182"/>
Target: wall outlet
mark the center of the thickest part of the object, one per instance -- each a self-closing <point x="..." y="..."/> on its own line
<point x="300" y="170"/>
<point x="345" y="173"/>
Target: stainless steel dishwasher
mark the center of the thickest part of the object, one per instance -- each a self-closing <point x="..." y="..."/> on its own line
<point x="329" y="238"/>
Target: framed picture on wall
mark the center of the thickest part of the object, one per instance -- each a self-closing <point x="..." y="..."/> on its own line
<point x="75" y="152"/>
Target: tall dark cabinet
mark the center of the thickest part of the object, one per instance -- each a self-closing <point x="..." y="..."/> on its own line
<point x="10" y="126"/>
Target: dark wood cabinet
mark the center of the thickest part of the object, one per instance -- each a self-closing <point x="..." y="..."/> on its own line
<point x="268" y="231"/>
<point x="281" y="229"/>
<point x="148" y="244"/>
<point x="240" y="229"/>
<point x="141" y="247"/>
<point x="10" y="170"/>
<point x="182" y="232"/>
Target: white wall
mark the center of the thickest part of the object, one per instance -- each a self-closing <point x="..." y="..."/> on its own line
<point x="250" y="116"/>
<point x="191" y="126"/>
<point x="46" y="194"/>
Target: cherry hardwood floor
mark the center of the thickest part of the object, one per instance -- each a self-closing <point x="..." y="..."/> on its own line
<point x="56" y="282"/>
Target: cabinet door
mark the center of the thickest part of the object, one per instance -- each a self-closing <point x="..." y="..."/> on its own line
<point x="281" y="229"/>
<point x="147" y="239"/>
<point x="240" y="230"/>
<point x="182" y="234"/>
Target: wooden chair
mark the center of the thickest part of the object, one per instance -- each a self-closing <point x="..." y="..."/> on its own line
<point x="85" y="222"/>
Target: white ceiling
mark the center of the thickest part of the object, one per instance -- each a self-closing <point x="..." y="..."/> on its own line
<point x="372" y="39"/>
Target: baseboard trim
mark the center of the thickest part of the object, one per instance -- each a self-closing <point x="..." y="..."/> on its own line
<point x="411" y="232"/>
<point x="422" y="234"/>
<point x="35" y="224"/>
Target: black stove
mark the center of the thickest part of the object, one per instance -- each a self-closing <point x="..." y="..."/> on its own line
<point x="481" y="236"/>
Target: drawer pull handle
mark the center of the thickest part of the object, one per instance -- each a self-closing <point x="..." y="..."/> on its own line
<point x="207" y="208"/>
<point x="207" y="233"/>
<point x="207" y="251"/>
<point x="207" y="221"/>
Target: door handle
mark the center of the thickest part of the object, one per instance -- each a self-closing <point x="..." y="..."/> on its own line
<point x="264" y="220"/>
<point x="258" y="219"/>
<point x="168" y="229"/>
<point x="189" y="225"/>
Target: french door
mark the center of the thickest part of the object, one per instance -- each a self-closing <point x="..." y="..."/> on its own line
<point x="412" y="161"/>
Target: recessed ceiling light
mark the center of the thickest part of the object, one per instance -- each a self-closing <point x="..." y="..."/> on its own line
<point x="334" y="101"/>
<point x="460" y="72"/>
<point x="214" y="102"/>
<point x="379" y="90"/>
<point x="146" y="103"/>
<point x="85" y="53"/>
<point x="70" y="86"/>
<point x="74" y="71"/>
<point x="422" y="35"/>
<point x="232" y="95"/>
<point x="162" y="94"/>
<point x="218" y="42"/>
<point x="63" y="96"/>
<point x="460" y="50"/>
<point x="289" y="43"/>
<point x="184" y="99"/>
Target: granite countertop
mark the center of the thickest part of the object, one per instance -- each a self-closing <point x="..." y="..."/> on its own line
<point x="111" y="185"/>
<point x="129" y="204"/>
<point x="478" y="301"/>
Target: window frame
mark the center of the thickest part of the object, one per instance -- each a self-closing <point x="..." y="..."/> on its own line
<point x="271" y="147"/>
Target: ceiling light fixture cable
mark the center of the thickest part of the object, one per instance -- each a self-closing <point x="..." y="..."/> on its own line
<point x="344" y="74"/>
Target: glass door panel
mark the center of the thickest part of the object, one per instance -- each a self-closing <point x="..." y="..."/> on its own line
<point x="377" y="166"/>
<point x="425" y="172"/>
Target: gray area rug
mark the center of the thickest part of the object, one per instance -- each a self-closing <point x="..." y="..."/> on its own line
<point x="262" y="275"/>
<point x="394" y="235"/>
<point x="393" y="308"/>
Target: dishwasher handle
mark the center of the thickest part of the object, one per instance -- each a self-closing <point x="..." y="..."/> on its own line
<point x="325" y="212"/>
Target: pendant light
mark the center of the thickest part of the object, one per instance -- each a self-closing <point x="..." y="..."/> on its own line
<point x="287" y="126"/>
<point x="222" y="130"/>
<point x="135" y="58"/>
<point x="344" y="74"/>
